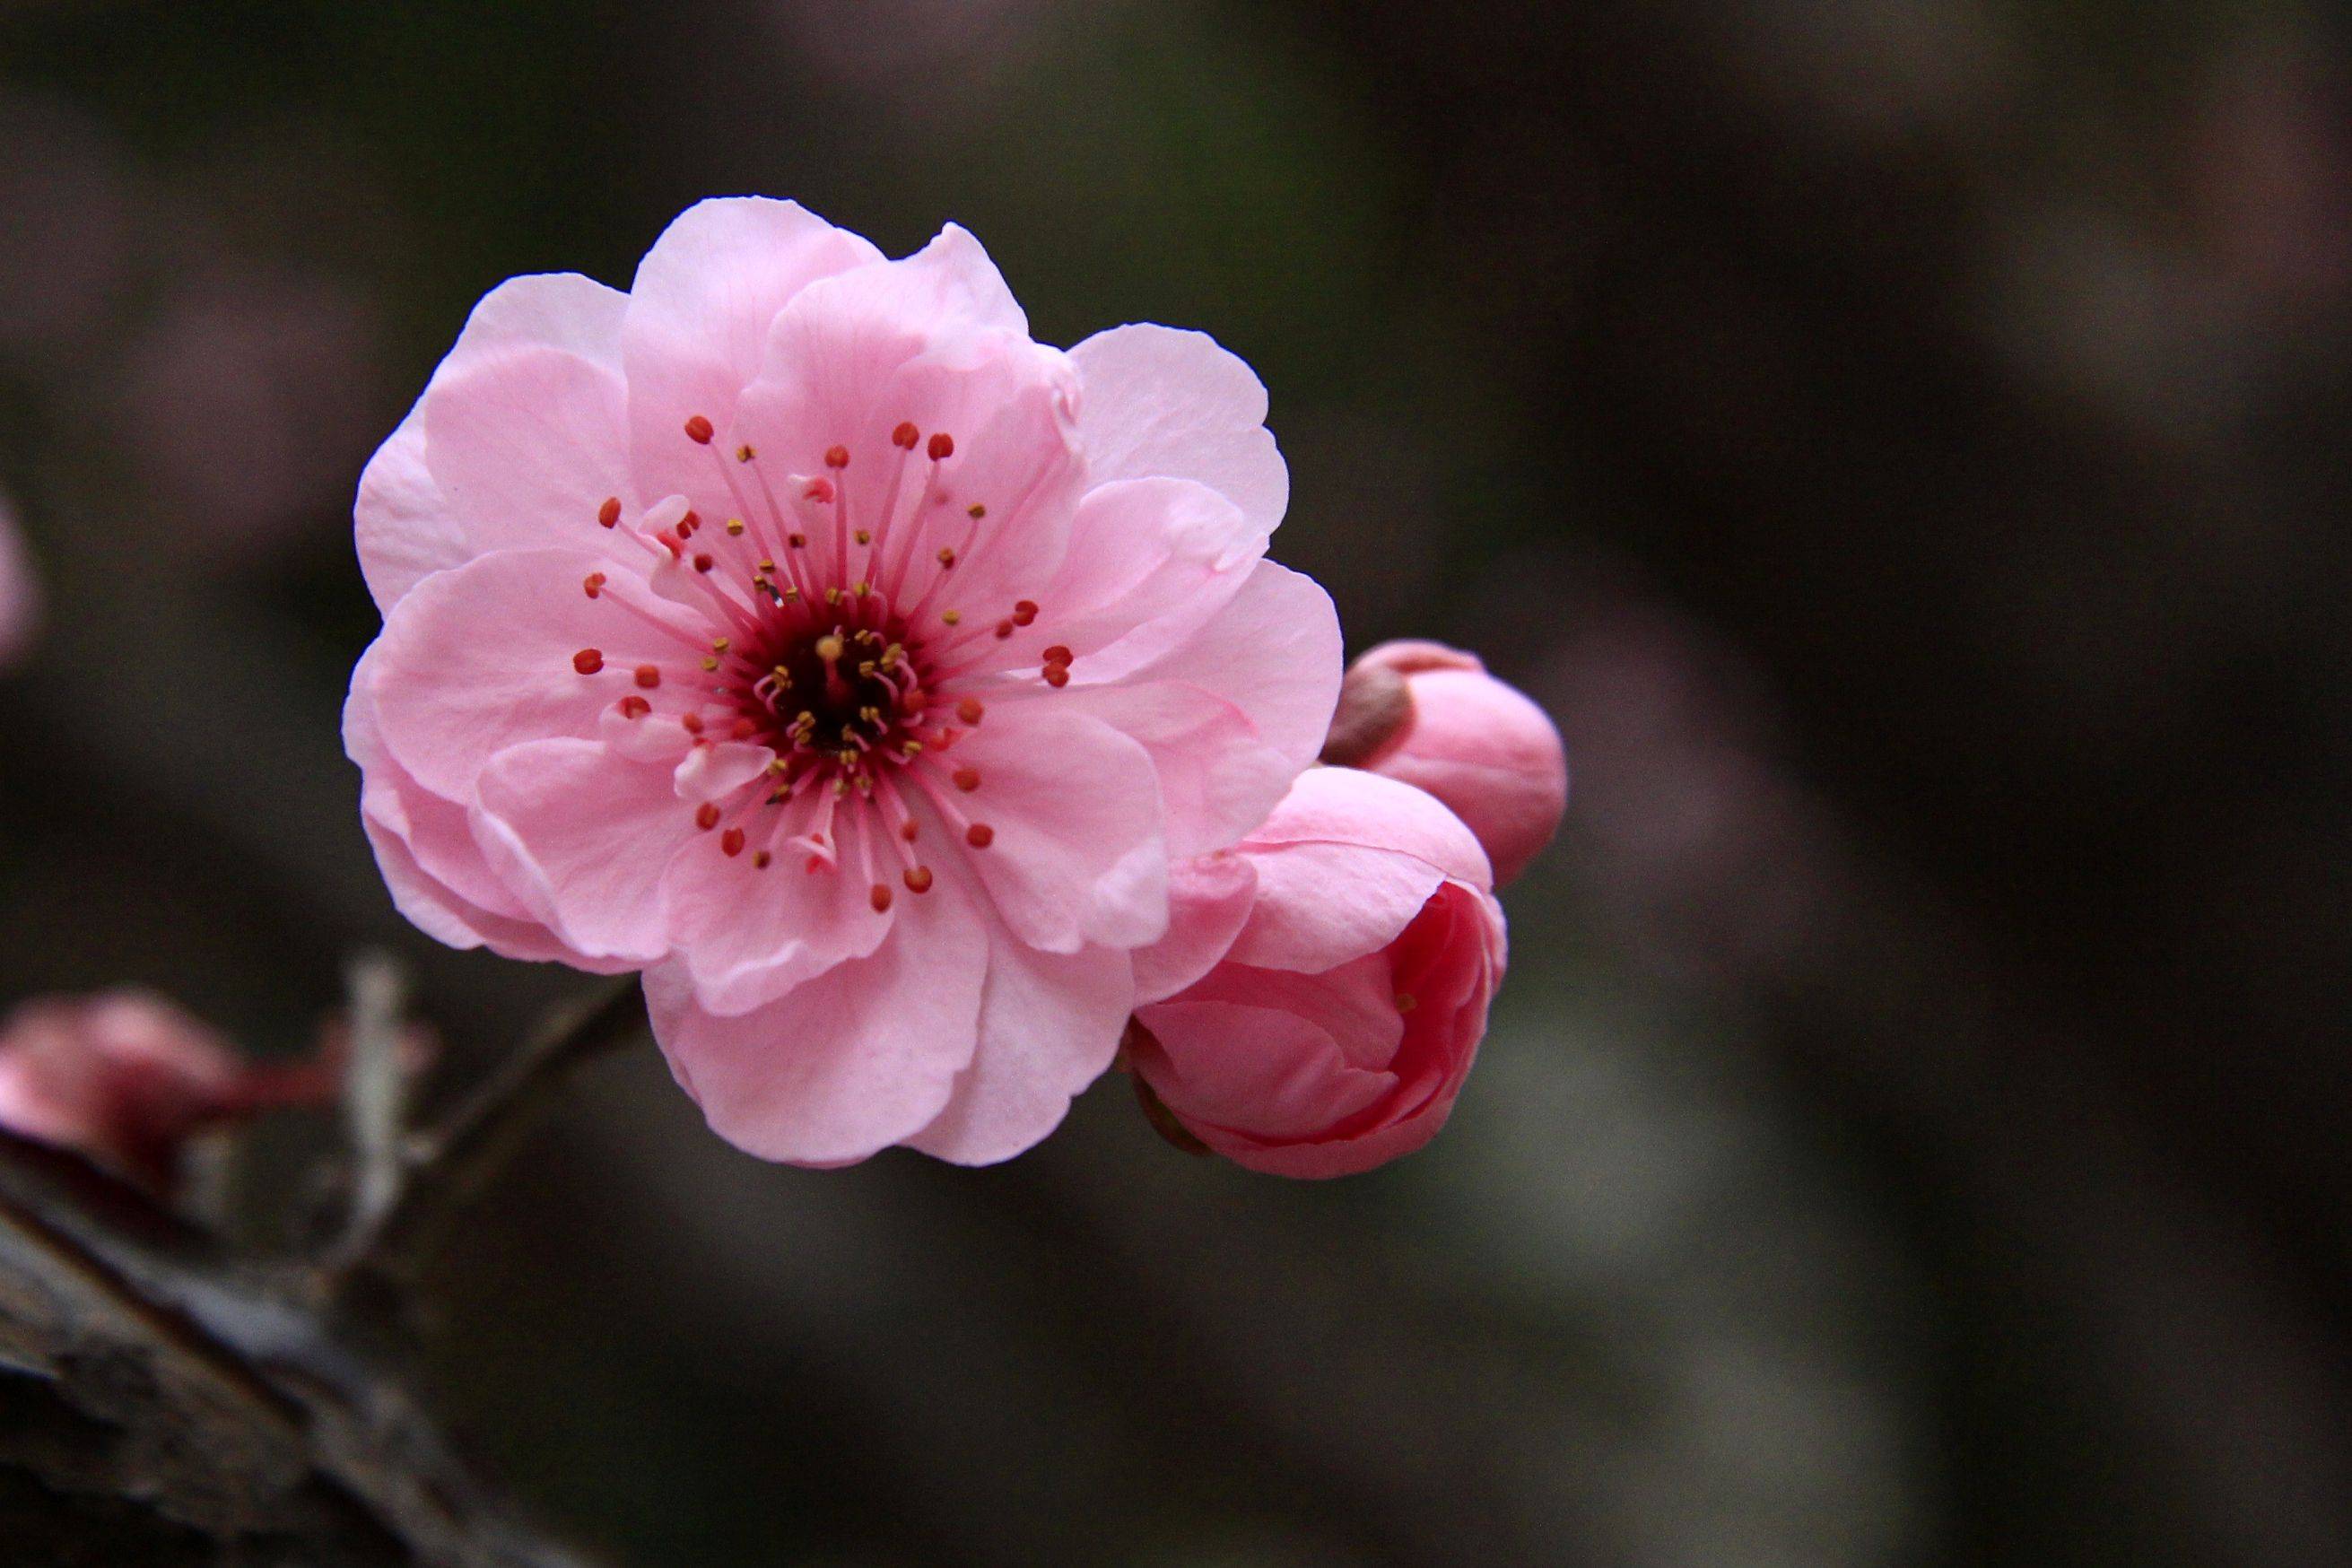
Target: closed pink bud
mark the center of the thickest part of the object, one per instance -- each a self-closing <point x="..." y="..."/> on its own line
<point x="1321" y="992"/>
<point x="128" y="1078"/>
<point x="1431" y="715"/>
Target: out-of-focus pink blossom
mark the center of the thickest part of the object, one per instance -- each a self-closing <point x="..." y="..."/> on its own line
<point x="20" y="595"/>
<point x="255" y="386"/>
<point x="1431" y="715"/>
<point x="1323" y="987"/>
<point x="127" y="1078"/>
<point x="795" y="628"/>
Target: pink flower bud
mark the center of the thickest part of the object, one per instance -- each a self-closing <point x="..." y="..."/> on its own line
<point x="1431" y="715"/>
<point x="127" y="1078"/>
<point x="1321" y="992"/>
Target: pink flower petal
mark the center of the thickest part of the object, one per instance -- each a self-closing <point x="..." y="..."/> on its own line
<point x="747" y="932"/>
<point x="1272" y="652"/>
<point x="1163" y="401"/>
<point x="1077" y="855"/>
<point x="477" y="658"/>
<point x="1209" y="898"/>
<point x="1346" y="805"/>
<point x="584" y="837"/>
<point x="696" y="328"/>
<point x="851" y="1062"/>
<point x="407" y="529"/>
<point x="1049" y="1024"/>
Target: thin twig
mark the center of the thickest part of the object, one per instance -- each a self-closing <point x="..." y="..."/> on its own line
<point x="375" y="1089"/>
<point x="446" y="1166"/>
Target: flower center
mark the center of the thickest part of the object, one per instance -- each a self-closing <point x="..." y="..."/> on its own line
<point x="829" y="694"/>
<point x="840" y="648"/>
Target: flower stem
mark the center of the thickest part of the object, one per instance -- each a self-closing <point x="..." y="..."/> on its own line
<point x="446" y="1166"/>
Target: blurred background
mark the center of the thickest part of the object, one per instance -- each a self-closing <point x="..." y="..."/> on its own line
<point x="1903" y="442"/>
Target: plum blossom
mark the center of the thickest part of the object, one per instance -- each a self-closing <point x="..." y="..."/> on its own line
<point x="1431" y="716"/>
<point x="128" y="1078"/>
<point x="1320" y="995"/>
<point x="795" y="629"/>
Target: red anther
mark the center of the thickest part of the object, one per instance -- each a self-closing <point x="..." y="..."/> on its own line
<point x="1004" y="630"/>
<point x="691" y="723"/>
<point x="970" y="711"/>
<point x="918" y="878"/>
<point x="967" y="779"/>
<point x="1057" y="653"/>
<point x="1024" y="612"/>
<point x="906" y="436"/>
<point x="946" y="555"/>
<point x="762" y="860"/>
<point x="836" y="456"/>
<point x="706" y="815"/>
<point x="911" y="830"/>
<point x="688" y="523"/>
<point x="593" y="584"/>
<point x="1058" y="676"/>
<point x="743" y="728"/>
<point x="880" y="897"/>
<point x="588" y="660"/>
<point x="634" y="706"/>
<point x="980" y="835"/>
<point x="731" y="841"/>
<point x="819" y="490"/>
<point x="942" y="445"/>
<point x="609" y="515"/>
<point x="975" y="511"/>
<point x="698" y="430"/>
<point x="703" y="563"/>
<point x="649" y="676"/>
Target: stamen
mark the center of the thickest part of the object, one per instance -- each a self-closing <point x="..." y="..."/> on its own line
<point x="634" y="706"/>
<point x="836" y="456"/>
<point x="942" y="445"/>
<point x="588" y="660"/>
<point x="649" y="676"/>
<point x="1024" y="612"/>
<point x="905" y="436"/>
<point x="731" y="841"/>
<point x="593" y="584"/>
<point x="609" y="515"/>
<point x="967" y="779"/>
<point x="880" y="897"/>
<point x="970" y="711"/>
<point x="918" y="878"/>
<point x="706" y="815"/>
<point x="980" y="835"/>
<point x="698" y="430"/>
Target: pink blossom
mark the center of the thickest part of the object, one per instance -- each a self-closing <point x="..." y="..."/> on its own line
<point x="1431" y="715"/>
<point x="20" y="598"/>
<point x="796" y="630"/>
<point x="127" y="1078"/>
<point x="1322" y="989"/>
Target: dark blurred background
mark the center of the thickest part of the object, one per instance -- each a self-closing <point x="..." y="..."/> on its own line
<point x="1903" y="441"/>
